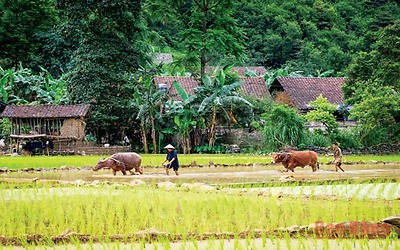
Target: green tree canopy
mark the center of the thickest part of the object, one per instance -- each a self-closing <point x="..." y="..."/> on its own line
<point x="21" y="23"/>
<point x="110" y="48"/>
<point x="373" y="85"/>
<point x="208" y="30"/>
<point x="322" y="111"/>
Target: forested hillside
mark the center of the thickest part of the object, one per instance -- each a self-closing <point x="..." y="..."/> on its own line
<point x="311" y="36"/>
<point x="100" y="52"/>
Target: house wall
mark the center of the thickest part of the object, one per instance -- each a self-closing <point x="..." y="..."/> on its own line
<point x="73" y="128"/>
<point x="283" y="98"/>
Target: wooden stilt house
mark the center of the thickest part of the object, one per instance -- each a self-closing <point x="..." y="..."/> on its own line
<point x="51" y="129"/>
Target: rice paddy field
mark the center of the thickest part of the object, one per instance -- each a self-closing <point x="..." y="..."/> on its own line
<point x="217" y="202"/>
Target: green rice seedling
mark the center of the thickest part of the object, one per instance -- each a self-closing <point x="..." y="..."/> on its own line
<point x="166" y="244"/>
<point x="278" y="243"/>
<point x="288" y="242"/>
<point x="263" y="238"/>
<point x="195" y="243"/>
<point x="301" y="242"/>
<point x="236" y="243"/>
<point x="142" y="244"/>
<point x="108" y="211"/>
<point x="221" y="244"/>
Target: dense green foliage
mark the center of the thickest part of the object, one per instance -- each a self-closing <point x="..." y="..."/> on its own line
<point x="22" y="86"/>
<point x="98" y="53"/>
<point x="283" y="127"/>
<point x="310" y="36"/>
<point x="108" y="49"/>
<point x="373" y="88"/>
<point x="22" y="23"/>
<point x="322" y="111"/>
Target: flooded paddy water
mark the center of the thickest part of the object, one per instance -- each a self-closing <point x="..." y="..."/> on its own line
<point x="256" y="173"/>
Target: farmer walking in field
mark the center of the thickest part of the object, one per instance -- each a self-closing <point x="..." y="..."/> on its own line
<point x="337" y="154"/>
<point x="171" y="161"/>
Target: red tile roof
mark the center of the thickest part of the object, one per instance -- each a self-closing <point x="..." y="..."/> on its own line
<point x="252" y="86"/>
<point x="187" y="83"/>
<point x="255" y="87"/>
<point x="302" y="90"/>
<point x="259" y="70"/>
<point x="46" y="111"/>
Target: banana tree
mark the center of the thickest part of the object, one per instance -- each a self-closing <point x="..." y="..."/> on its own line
<point x="217" y="96"/>
<point x="147" y="100"/>
<point x="185" y="116"/>
<point x="51" y="91"/>
<point x="22" y="86"/>
<point x="8" y="87"/>
<point x="270" y="77"/>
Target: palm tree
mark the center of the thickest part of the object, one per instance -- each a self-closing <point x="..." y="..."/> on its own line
<point x="218" y="95"/>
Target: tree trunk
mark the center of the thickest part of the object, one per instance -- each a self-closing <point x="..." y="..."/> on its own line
<point x="211" y="132"/>
<point x="203" y="62"/>
<point x="153" y="134"/>
<point x="188" y="144"/>
<point x="144" y="137"/>
<point x="197" y="138"/>
<point x="183" y="138"/>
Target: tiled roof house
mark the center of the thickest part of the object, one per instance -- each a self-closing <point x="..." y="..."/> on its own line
<point x="299" y="91"/>
<point x="46" y="111"/>
<point x="188" y="83"/>
<point x="252" y="86"/>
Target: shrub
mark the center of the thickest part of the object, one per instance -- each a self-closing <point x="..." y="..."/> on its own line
<point x="283" y="127"/>
<point x="348" y="138"/>
<point x="205" y="149"/>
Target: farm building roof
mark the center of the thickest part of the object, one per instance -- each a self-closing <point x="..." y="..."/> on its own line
<point x="258" y="70"/>
<point x="252" y="86"/>
<point x="46" y="111"/>
<point x="255" y="87"/>
<point x="188" y="83"/>
<point x="302" y="90"/>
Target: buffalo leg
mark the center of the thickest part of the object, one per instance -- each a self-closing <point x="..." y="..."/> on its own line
<point x="114" y="172"/>
<point x="139" y="169"/>
<point x="314" y="168"/>
<point x="123" y="171"/>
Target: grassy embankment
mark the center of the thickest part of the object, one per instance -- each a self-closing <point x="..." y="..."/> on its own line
<point x="21" y="162"/>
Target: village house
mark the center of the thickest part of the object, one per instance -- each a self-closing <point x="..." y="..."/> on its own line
<point x="47" y="128"/>
<point x="252" y="86"/>
<point x="298" y="92"/>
